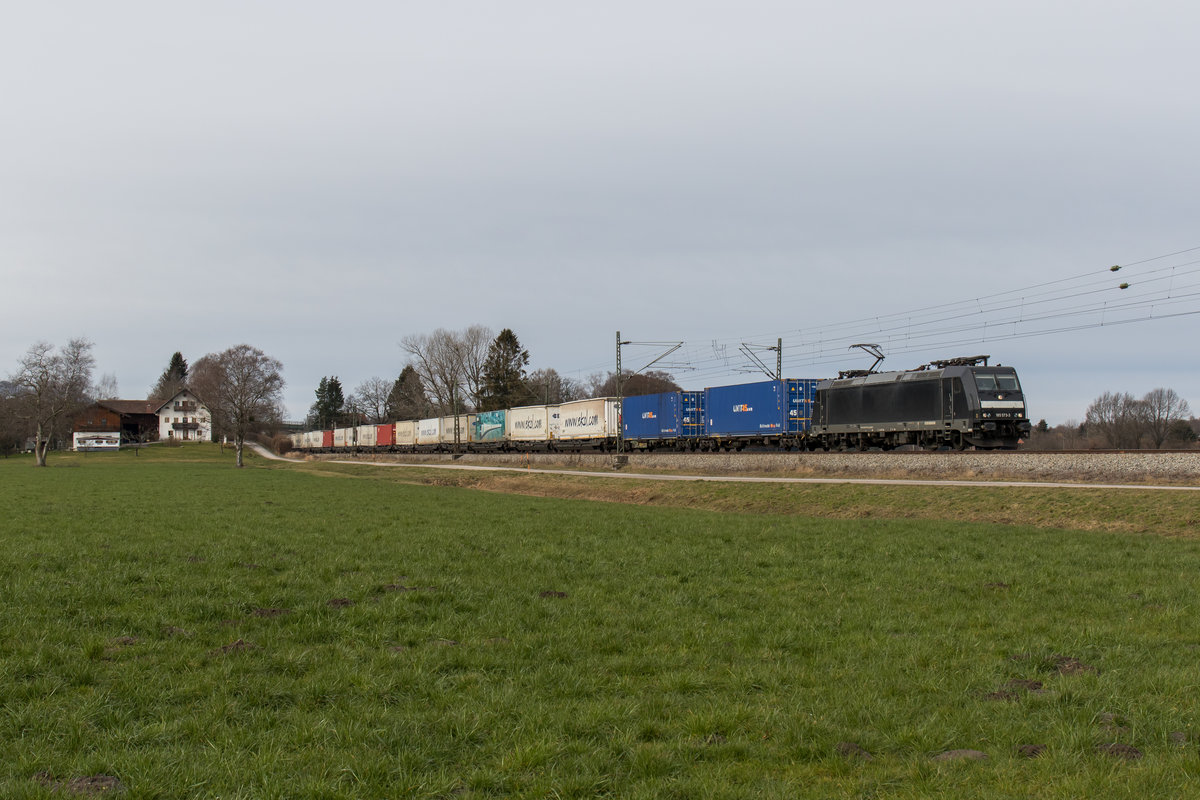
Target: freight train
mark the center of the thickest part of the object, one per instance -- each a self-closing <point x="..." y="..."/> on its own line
<point x="957" y="403"/>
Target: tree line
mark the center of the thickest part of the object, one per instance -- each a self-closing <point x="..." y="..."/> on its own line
<point x="454" y="372"/>
<point x="242" y="388"/>
<point x="447" y="372"/>
<point x="1120" y="421"/>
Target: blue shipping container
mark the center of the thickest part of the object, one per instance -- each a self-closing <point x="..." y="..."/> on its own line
<point x="765" y="408"/>
<point x="746" y="409"/>
<point x="801" y="392"/>
<point x="691" y="418"/>
<point x="651" y="416"/>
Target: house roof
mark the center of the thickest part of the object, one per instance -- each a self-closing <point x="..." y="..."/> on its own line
<point x="128" y="406"/>
<point x="171" y="399"/>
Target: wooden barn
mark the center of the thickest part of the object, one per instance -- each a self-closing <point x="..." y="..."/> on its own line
<point x="106" y="423"/>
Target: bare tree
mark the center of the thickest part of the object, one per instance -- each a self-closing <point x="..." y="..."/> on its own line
<point x="450" y="364"/>
<point x="438" y="363"/>
<point x="476" y="342"/>
<point x="633" y="383"/>
<point x="1118" y="418"/>
<point x="547" y="386"/>
<point x="52" y="385"/>
<point x="106" y="387"/>
<point x="242" y="387"/>
<point x="1160" y="408"/>
<point x="371" y="399"/>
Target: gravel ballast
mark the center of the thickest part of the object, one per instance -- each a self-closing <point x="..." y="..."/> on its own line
<point x="1145" y="466"/>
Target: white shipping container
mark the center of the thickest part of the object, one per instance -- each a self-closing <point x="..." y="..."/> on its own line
<point x="527" y="424"/>
<point x="429" y="431"/>
<point x="464" y="430"/>
<point x="588" y="419"/>
<point x="367" y="435"/>
<point x="343" y="437"/>
<point x="406" y="433"/>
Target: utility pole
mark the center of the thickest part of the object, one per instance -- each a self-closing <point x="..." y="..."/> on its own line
<point x="454" y="408"/>
<point x="620" y="386"/>
<point x="671" y="348"/>
<point x="748" y="350"/>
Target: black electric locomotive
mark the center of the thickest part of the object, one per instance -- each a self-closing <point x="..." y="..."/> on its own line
<point x="957" y="403"/>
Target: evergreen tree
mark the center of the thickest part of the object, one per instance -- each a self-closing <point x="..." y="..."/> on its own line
<point x="407" y="399"/>
<point x="504" y="373"/>
<point x="326" y="412"/>
<point x="173" y="379"/>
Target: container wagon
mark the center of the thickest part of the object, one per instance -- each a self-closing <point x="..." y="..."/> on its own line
<point x="590" y="423"/>
<point x="651" y="421"/>
<point x="527" y="427"/>
<point x="774" y="413"/>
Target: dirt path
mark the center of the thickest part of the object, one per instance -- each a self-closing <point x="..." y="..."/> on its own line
<point x="748" y="478"/>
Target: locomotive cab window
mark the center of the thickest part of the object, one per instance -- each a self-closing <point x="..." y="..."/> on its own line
<point x="991" y="382"/>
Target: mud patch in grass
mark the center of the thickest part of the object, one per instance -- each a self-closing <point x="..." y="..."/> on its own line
<point x="1123" y="752"/>
<point x="853" y="750"/>
<point x="1066" y="665"/>
<point x="961" y="755"/>
<point x="237" y="646"/>
<point x="87" y="786"/>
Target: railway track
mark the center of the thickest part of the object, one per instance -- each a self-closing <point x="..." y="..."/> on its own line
<point x="1089" y="467"/>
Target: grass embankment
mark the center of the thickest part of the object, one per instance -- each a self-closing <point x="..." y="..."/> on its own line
<point x="198" y="631"/>
<point x="1118" y="510"/>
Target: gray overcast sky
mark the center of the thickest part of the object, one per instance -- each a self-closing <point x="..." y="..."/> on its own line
<point x="321" y="179"/>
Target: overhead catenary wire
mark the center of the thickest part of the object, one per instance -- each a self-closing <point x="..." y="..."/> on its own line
<point x="1124" y="294"/>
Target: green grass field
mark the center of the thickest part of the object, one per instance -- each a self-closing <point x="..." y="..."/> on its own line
<point x="193" y="630"/>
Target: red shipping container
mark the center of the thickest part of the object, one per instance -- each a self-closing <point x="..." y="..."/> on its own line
<point x="327" y="439"/>
<point x="385" y="435"/>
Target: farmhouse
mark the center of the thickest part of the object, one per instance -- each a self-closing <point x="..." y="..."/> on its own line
<point x="185" y="418"/>
<point x="103" y="424"/>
